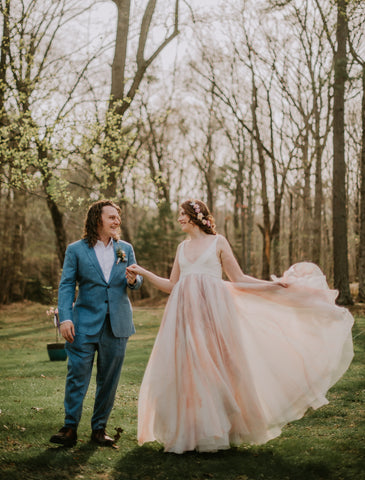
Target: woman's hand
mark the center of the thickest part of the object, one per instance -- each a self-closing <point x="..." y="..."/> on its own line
<point x="280" y="284"/>
<point x="161" y="283"/>
<point x="134" y="269"/>
<point x="278" y="281"/>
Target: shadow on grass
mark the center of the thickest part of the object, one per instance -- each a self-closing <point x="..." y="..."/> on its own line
<point x="54" y="462"/>
<point x="148" y="463"/>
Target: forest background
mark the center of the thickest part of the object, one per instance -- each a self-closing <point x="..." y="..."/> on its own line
<point x="256" y="107"/>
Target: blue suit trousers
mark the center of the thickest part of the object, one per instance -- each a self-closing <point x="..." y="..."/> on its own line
<point x="110" y="356"/>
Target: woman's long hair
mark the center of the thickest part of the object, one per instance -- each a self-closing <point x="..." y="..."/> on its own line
<point x="93" y="220"/>
<point x="200" y="215"/>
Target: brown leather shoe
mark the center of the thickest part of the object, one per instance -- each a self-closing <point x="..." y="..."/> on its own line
<point x="66" y="436"/>
<point x="99" y="436"/>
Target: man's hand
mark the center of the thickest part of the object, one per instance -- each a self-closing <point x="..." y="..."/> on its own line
<point x="131" y="277"/>
<point x="67" y="330"/>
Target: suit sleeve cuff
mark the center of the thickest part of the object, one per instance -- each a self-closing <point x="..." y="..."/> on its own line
<point x="137" y="284"/>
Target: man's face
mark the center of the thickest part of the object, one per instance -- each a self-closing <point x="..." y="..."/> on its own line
<point x="110" y="222"/>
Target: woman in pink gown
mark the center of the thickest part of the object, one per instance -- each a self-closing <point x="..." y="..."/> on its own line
<point x="235" y="361"/>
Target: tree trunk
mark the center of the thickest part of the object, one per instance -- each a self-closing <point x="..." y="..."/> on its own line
<point x="117" y="99"/>
<point x="265" y="228"/>
<point x="317" y="217"/>
<point x="56" y="214"/>
<point x="339" y="197"/>
<point x="4" y="51"/>
<point x="275" y="236"/>
<point x="318" y="193"/>
<point x="307" y="207"/>
<point x="5" y="253"/>
<point x="361" y="265"/>
<point x="209" y="171"/>
<point x="12" y="276"/>
<point x="17" y="247"/>
<point x="120" y="97"/>
<point x="239" y="217"/>
<point x="210" y="184"/>
<point x="120" y="52"/>
<point x="59" y="229"/>
<point x="266" y="245"/>
<point x="291" y="230"/>
<point x="250" y="213"/>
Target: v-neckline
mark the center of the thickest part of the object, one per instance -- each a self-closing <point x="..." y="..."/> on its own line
<point x="200" y="256"/>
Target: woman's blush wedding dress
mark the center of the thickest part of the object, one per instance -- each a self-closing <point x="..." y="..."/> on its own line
<point x="234" y="362"/>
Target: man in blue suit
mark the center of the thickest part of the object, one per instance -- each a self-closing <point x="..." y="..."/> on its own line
<point x="99" y="320"/>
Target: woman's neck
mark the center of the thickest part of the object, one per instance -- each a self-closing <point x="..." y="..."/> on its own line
<point x="198" y="234"/>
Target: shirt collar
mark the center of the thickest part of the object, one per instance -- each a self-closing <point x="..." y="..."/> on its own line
<point x="100" y="244"/>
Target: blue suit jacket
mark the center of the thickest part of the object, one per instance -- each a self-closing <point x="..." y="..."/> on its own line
<point x="96" y="296"/>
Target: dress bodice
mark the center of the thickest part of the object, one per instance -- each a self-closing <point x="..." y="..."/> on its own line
<point x="206" y="264"/>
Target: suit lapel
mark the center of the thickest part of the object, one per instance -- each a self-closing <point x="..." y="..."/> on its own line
<point x="94" y="260"/>
<point x="116" y="245"/>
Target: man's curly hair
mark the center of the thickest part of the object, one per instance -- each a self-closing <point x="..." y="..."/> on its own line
<point x="93" y="220"/>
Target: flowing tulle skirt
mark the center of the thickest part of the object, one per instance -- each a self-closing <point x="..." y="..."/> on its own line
<point x="234" y="363"/>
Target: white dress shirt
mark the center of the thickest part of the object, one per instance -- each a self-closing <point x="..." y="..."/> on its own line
<point x="105" y="256"/>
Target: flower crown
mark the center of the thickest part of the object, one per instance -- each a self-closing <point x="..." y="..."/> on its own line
<point x="199" y="214"/>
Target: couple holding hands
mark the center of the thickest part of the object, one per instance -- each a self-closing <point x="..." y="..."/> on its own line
<point x="233" y="361"/>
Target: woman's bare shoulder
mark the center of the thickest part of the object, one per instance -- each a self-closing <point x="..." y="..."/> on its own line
<point x="222" y="241"/>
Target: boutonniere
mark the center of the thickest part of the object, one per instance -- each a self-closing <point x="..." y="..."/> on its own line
<point x="121" y="255"/>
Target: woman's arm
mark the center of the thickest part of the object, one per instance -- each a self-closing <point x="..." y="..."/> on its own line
<point x="233" y="270"/>
<point x="164" y="284"/>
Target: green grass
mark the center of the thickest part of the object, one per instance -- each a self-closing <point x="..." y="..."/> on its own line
<point x="325" y="444"/>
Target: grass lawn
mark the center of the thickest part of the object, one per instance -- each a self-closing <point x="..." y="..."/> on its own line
<point x="325" y="444"/>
